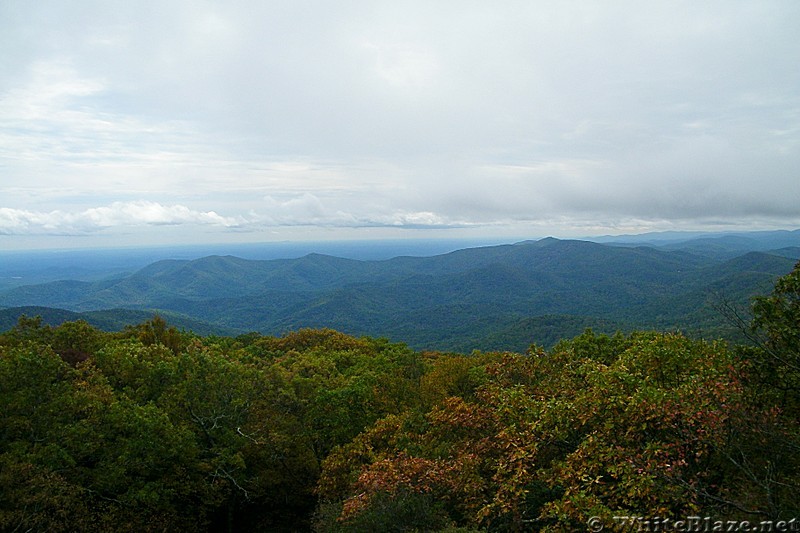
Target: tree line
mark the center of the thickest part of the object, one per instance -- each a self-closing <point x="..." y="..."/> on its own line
<point x="155" y="429"/>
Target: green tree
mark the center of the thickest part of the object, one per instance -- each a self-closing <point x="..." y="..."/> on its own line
<point x="76" y="341"/>
<point x="551" y="439"/>
<point x="78" y="455"/>
<point x="27" y="329"/>
<point x="763" y="463"/>
<point x="777" y="325"/>
<point x="157" y="331"/>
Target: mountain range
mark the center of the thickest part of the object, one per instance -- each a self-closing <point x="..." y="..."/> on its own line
<point x="501" y="297"/>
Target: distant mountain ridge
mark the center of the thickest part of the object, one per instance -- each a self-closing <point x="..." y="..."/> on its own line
<point x="718" y="245"/>
<point x="491" y="297"/>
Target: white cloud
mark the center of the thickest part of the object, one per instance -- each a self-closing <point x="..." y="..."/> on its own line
<point x="305" y="210"/>
<point x="310" y="210"/>
<point x="406" y="66"/>
<point x="116" y="215"/>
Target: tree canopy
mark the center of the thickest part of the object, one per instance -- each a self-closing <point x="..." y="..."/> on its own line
<point x="152" y="428"/>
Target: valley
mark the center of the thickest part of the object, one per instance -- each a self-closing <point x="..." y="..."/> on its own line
<point x="500" y="297"/>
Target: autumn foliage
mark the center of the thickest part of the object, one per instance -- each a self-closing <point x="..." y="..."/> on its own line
<point x="153" y="429"/>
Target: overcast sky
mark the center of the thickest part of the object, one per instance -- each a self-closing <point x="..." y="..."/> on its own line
<point x="140" y="122"/>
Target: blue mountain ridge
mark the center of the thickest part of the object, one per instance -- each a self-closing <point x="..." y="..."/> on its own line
<point x="463" y="299"/>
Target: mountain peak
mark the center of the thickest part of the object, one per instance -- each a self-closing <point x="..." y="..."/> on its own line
<point x="541" y="242"/>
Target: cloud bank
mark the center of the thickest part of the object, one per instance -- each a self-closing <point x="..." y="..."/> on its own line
<point x="118" y="214"/>
<point x="304" y="211"/>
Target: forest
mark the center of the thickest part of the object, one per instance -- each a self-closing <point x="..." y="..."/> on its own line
<point x="490" y="298"/>
<point x="152" y="428"/>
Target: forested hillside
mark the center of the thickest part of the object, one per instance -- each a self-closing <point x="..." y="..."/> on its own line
<point x="156" y="429"/>
<point x="489" y="298"/>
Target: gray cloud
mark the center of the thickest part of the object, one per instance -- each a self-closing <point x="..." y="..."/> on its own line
<point x="514" y="116"/>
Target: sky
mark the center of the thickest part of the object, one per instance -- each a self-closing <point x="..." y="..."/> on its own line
<point x="186" y="121"/>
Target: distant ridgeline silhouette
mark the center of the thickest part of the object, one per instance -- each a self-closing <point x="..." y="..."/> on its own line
<point x="488" y="298"/>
